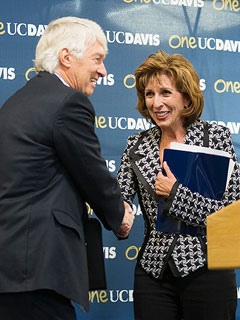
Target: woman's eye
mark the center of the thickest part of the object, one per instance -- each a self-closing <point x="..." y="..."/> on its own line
<point x="148" y="94"/>
<point x="166" y="92"/>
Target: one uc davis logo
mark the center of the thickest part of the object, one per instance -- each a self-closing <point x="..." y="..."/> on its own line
<point x="122" y="123"/>
<point x="21" y="29"/>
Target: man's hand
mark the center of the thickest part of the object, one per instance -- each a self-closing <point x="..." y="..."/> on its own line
<point x="127" y="221"/>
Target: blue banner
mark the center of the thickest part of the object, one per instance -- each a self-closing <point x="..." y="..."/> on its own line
<point x="205" y="32"/>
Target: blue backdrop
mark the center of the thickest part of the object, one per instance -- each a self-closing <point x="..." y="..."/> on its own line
<point x="206" y="32"/>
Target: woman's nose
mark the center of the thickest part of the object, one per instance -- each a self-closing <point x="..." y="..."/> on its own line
<point x="158" y="101"/>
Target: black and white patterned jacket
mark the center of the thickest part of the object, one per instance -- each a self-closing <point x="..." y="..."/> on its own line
<point x="137" y="174"/>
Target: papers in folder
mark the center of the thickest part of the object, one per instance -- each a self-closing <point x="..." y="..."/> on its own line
<point x="203" y="170"/>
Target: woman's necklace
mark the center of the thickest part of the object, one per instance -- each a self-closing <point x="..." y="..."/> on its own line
<point x="162" y="146"/>
<point x="182" y="138"/>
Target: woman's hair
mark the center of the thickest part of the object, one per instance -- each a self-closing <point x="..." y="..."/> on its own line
<point x="73" y="33"/>
<point x="182" y="73"/>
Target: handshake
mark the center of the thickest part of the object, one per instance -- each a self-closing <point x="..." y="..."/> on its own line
<point x="127" y="222"/>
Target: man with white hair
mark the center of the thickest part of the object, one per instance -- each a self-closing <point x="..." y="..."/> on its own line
<point x="50" y="167"/>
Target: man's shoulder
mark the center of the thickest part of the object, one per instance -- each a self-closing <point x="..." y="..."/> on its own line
<point x="50" y="85"/>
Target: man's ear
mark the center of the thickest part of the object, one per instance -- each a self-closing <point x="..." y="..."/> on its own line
<point x="65" y="58"/>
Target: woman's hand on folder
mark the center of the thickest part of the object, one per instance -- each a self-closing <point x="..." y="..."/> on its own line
<point x="164" y="183"/>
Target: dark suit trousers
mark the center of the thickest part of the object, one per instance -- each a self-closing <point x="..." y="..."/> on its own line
<point x="35" y="305"/>
<point x="203" y="295"/>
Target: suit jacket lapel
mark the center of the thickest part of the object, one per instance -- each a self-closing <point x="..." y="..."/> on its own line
<point x="144" y="157"/>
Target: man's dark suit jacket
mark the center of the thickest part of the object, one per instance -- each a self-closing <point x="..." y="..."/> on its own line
<point x="50" y="166"/>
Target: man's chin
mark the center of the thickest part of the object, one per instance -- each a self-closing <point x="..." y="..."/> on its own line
<point x="89" y="91"/>
<point x="89" y="94"/>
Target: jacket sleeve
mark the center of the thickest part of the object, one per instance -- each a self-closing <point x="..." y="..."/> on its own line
<point x="79" y="151"/>
<point x="126" y="177"/>
<point x="193" y="208"/>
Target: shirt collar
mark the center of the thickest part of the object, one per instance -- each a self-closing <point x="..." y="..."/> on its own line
<point x="61" y="79"/>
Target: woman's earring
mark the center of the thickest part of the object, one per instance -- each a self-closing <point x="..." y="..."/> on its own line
<point x="186" y="107"/>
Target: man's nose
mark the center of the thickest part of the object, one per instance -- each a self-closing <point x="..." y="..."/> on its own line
<point x="102" y="70"/>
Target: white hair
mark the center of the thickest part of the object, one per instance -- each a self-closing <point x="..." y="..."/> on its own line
<point x="73" y="33"/>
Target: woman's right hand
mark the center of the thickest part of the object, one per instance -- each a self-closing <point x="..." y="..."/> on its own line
<point x="164" y="184"/>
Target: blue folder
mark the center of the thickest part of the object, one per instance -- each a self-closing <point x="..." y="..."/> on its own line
<point x="200" y="172"/>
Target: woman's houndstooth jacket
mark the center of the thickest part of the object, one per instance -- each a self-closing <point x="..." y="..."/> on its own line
<point x="138" y="171"/>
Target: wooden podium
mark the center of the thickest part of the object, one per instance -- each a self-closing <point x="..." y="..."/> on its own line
<point x="223" y="238"/>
